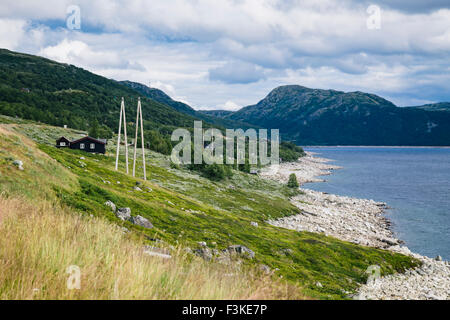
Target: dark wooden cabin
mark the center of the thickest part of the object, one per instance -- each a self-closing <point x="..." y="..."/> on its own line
<point x="87" y="144"/>
<point x="62" y="143"/>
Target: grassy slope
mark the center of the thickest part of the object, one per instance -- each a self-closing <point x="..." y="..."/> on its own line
<point x="186" y="208"/>
<point x="41" y="239"/>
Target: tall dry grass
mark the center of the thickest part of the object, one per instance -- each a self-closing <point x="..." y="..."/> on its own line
<point x="38" y="242"/>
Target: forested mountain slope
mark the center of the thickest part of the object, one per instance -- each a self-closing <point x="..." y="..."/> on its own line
<point x="329" y="117"/>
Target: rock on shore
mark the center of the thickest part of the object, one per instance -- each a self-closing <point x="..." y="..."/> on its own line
<point x="355" y="220"/>
<point x="431" y="281"/>
<point x="359" y="221"/>
<point x="307" y="169"/>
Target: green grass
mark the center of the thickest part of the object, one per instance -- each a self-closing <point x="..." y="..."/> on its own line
<point x="186" y="208"/>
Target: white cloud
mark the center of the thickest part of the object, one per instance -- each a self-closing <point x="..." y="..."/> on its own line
<point x="79" y="53"/>
<point x="12" y="32"/>
<point x="48" y="9"/>
<point x="230" y="106"/>
<point x="200" y="47"/>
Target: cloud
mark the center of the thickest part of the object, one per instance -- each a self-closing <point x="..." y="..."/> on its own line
<point x="11" y="33"/>
<point x="78" y="52"/>
<point x="237" y="72"/>
<point x="238" y="50"/>
<point x="413" y="6"/>
<point x="230" y="106"/>
<point x="167" y="88"/>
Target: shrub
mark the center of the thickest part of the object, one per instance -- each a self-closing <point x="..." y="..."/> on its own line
<point x="292" y="183"/>
<point x="216" y="171"/>
<point x="290" y="152"/>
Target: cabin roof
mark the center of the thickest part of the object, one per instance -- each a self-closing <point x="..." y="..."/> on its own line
<point x="101" y="141"/>
<point x="63" y="138"/>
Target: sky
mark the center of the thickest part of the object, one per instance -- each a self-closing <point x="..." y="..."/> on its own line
<point x="226" y="54"/>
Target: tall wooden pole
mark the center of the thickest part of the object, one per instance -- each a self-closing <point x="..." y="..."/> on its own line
<point x="135" y="141"/>
<point x="122" y="115"/>
<point x="142" y="139"/>
<point x="118" y="136"/>
<point x="125" y="133"/>
<point x="139" y="114"/>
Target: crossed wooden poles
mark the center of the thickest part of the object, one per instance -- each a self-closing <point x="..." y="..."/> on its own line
<point x="139" y="121"/>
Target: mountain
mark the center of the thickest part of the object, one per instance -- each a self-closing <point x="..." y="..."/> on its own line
<point x="440" y="106"/>
<point x="42" y="90"/>
<point x="288" y="151"/>
<point x="328" y="117"/>
<point x="39" y="89"/>
<point x="160" y="96"/>
<point x="217" y="113"/>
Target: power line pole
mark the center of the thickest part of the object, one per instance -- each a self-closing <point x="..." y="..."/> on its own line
<point x="122" y="113"/>
<point x="139" y="115"/>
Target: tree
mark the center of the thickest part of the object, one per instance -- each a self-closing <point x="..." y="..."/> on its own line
<point x="292" y="183"/>
<point x="94" y="129"/>
<point x="104" y="132"/>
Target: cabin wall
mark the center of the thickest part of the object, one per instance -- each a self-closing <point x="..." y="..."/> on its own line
<point x="99" y="148"/>
<point x="62" y="140"/>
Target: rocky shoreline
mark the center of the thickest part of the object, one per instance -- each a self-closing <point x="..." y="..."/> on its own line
<point x="360" y="221"/>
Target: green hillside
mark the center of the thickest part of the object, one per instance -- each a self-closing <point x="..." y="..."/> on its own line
<point x="52" y="218"/>
<point x="42" y="90"/>
<point x="186" y="209"/>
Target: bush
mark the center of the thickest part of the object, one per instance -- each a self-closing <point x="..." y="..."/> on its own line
<point x="292" y="183"/>
<point x="158" y="142"/>
<point x="290" y="152"/>
<point x="212" y="171"/>
<point x="216" y="171"/>
<point x="245" y="167"/>
<point x="93" y="129"/>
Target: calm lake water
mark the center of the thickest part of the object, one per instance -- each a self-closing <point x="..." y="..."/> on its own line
<point x="415" y="182"/>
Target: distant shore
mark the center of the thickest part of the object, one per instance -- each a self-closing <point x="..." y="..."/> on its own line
<point x="360" y="221"/>
<point x="369" y="146"/>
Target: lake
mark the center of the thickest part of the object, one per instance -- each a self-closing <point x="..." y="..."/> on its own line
<point x="414" y="182"/>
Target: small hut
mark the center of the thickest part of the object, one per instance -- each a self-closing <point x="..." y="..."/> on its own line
<point x="62" y="143"/>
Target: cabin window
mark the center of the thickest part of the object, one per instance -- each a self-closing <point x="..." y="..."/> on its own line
<point x="92" y="146"/>
<point x="81" y="145"/>
<point x="62" y="144"/>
